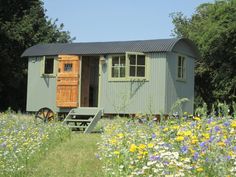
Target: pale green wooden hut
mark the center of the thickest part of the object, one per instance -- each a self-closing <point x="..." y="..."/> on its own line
<point x="127" y="77"/>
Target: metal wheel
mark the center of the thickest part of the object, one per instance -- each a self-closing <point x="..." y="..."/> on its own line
<point x="45" y="114"/>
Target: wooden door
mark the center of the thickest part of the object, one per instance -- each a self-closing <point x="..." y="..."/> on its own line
<point x="68" y="81"/>
<point x="85" y="82"/>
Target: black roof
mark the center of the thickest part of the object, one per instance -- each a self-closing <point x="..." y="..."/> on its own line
<point x="96" y="48"/>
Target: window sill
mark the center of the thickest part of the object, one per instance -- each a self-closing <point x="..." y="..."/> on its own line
<point x="128" y="80"/>
<point x="181" y="80"/>
<point x="48" y="75"/>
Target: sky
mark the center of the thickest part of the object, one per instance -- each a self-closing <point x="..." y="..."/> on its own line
<point x="118" y="20"/>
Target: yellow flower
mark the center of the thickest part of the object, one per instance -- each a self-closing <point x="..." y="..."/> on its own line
<point x="140" y="157"/>
<point x="199" y="169"/>
<point x="179" y="138"/>
<point x="150" y="145"/>
<point x="175" y="127"/>
<point x="180" y="133"/>
<point x="113" y="141"/>
<point x="221" y="143"/>
<point x="120" y="135"/>
<point x="187" y="133"/>
<point x="166" y="129"/>
<point x="206" y="135"/>
<point x="142" y="146"/>
<point x="196" y="118"/>
<point x="133" y="148"/>
<point x="143" y="152"/>
<point x="233" y="124"/>
<point x="194" y="140"/>
<point x="116" y="152"/>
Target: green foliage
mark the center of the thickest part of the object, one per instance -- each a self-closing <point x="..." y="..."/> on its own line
<point x="23" y="23"/>
<point x="234" y="109"/>
<point x="223" y="109"/>
<point x="177" y="106"/>
<point x="201" y="111"/>
<point x="213" y="29"/>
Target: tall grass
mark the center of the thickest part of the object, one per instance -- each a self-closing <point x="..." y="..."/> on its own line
<point x="23" y="143"/>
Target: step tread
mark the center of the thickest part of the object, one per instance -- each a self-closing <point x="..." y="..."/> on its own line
<point x="81" y="114"/>
<point x="85" y="111"/>
<point x="74" y="126"/>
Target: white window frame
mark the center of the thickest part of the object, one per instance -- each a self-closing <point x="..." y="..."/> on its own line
<point x="119" y="67"/>
<point x="42" y="71"/>
<point x="127" y="68"/>
<point x="181" y="68"/>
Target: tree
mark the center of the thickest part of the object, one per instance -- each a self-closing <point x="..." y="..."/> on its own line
<point x="23" y="23"/>
<point x="213" y="29"/>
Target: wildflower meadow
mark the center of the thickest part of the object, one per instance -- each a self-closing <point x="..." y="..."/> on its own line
<point x="187" y="146"/>
<point x="23" y="142"/>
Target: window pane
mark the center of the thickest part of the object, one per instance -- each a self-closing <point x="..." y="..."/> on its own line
<point x="179" y="72"/>
<point x="122" y="71"/>
<point x="122" y="61"/>
<point x="68" y="67"/>
<point x="115" y="72"/>
<point x="132" y="59"/>
<point x="179" y="61"/>
<point x="141" y="60"/>
<point x="115" y="61"/>
<point x="48" y="68"/>
<point x="132" y="71"/>
<point x="140" y="71"/>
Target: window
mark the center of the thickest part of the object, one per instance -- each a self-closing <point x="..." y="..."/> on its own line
<point x="48" y="65"/>
<point x="68" y="67"/>
<point x="129" y="66"/>
<point x="118" y="67"/>
<point x="181" y="70"/>
<point x="136" y="65"/>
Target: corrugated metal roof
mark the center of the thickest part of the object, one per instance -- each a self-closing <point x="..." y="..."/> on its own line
<point x="96" y="48"/>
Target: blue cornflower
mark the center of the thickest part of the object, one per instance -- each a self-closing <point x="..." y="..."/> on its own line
<point x="184" y="149"/>
<point x="210" y="120"/>
<point x="154" y="158"/>
<point x="202" y="144"/>
<point x="226" y="124"/>
<point x="4" y="144"/>
<point x="217" y="129"/>
<point x="211" y="139"/>
<point x="196" y="155"/>
<point x="193" y="124"/>
<point x="228" y="141"/>
<point x="154" y="136"/>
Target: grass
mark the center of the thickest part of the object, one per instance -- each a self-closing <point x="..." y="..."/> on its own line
<point x="75" y="157"/>
<point x="23" y="143"/>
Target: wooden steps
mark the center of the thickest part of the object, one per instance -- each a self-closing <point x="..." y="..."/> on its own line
<point x="83" y="119"/>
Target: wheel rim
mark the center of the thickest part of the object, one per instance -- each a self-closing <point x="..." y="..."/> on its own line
<point x="45" y="114"/>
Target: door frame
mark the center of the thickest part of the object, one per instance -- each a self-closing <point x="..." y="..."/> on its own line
<point x="99" y="78"/>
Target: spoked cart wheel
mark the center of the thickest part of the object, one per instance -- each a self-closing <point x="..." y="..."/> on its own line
<point x="45" y="115"/>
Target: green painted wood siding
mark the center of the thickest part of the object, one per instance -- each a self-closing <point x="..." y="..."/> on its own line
<point x="180" y="89"/>
<point x="134" y="97"/>
<point x="41" y="91"/>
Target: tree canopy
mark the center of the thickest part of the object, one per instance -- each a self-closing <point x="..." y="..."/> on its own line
<point x="213" y="29"/>
<point x="23" y="23"/>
